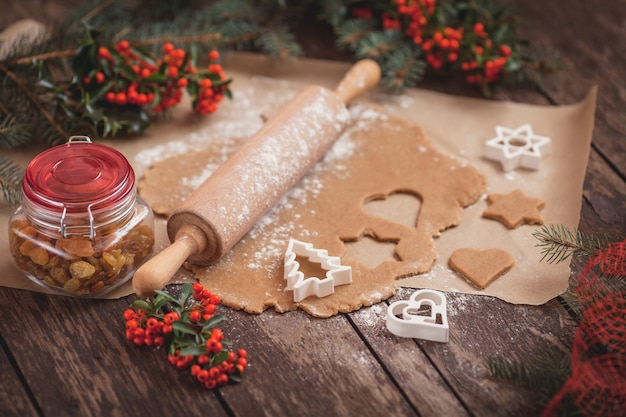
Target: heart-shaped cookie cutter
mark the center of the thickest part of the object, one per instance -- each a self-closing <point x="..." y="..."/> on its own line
<point x="519" y="147"/>
<point x="336" y="274"/>
<point x="406" y="318"/>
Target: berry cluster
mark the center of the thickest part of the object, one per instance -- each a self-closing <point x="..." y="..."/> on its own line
<point x="486" y="63"/>
<point x="443" y="47"/>
<point x="126" y="75"/>
<point x="452" y="43"/>
<point x="186" y="327"/>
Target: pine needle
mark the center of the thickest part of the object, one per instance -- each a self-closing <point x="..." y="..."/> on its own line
<point x="545" y="375"/>
<point x="559" y="243"/>
<point x="10" y="178"/>
<point x="403" y="67"/>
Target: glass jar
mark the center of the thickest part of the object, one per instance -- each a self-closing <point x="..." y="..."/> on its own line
<point x="81" y="228"/>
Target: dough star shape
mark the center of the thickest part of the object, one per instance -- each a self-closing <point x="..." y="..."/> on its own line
<point x="514" y="208"/>
<point x="519" y="147"/>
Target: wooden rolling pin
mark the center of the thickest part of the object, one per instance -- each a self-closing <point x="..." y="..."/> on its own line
<point x="230" y="202"/>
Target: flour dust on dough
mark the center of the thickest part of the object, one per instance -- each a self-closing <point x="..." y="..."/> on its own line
<point x="378" y="157"/>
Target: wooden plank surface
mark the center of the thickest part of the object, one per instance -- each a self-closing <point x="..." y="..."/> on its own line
<point x="67" y="357"/>
<point x="14" y="398"/>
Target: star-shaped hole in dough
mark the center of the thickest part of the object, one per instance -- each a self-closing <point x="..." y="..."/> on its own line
<point x="519" y="147"/>
<point x="514" y="208"/>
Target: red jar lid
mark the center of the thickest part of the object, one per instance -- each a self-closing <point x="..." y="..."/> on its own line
<point x="77" y="175"/>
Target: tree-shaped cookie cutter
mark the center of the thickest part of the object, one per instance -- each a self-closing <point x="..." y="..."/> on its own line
<point x="519" y="147"/>
<point x="409" y="318"/>
<point x="336" y="274"/>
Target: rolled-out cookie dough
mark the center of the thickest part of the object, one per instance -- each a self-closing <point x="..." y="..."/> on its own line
<point x="378" y="156"/>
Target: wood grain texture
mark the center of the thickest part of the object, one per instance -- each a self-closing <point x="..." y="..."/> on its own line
<point x="589" y="39"/>
<point x="14" y="400"/>
<point x="413" y="372"/>
<point x="483" y="328"/>
<point x="77" y="362"/>
<point x="307" y="367"/>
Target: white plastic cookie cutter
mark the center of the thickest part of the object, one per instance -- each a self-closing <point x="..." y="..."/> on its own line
<point x="336" y="274"/>
<point x="422" y="316"/>
<point x="517" y="147"/>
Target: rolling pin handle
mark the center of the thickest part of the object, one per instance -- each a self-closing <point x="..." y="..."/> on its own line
<point x="156" y="273"/>
<point x="362" y="76"/>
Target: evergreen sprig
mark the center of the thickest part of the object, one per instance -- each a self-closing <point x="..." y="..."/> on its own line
<point x="37" y="72"/>
<point x="544" y="375"/>
<point x="41" y="75"/>
<point x="11" y="175"/>
<point x="559" y="243"/>
<point x="394" y="31"/>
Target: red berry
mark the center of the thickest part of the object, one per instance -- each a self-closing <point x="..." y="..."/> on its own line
<point x="170" y="318"/>
<point x="195" y="316"/>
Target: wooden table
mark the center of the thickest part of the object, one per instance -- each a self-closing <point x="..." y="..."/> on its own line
<point x="68" y="357"/>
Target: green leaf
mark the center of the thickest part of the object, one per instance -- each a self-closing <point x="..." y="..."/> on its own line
<point x="128" y="72"/>
<point x="166" y="296"/>
<point x="185" y="328"/>
<point x="214" y="321"/>
<point x="219" y="358"/>
<point x="142" y="305"/>
<point x="185" y="293"/>
<point x="195" y="350"/>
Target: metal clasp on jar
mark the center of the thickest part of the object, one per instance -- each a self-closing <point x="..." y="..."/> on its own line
<point x="65" y="230"/>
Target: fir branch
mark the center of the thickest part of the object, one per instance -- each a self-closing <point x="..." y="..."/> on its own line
<point x="12" y="133"/>
<point x="375" y="45"/>
<point x="279" y="43"/>
<point x="403" y="67"/>
<point x="96" y="11"/>
<point x="67" y="53"/>
<point x="545" y="375"/>
<point x="34" y="99"/>
<point x="350" y="34"/>
<point x="559" y="243"/>
<point x="10" y="177"/>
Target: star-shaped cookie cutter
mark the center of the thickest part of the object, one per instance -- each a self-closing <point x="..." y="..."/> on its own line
<point x="408" y="318"/>
<point x="336" y="274"/>
<point x="517" y="147"/>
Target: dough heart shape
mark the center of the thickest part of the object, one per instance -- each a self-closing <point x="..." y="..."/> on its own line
<point x="481" y="267"/>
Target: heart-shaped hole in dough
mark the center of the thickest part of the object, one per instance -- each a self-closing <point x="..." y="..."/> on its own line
<point x="398" y="207"/>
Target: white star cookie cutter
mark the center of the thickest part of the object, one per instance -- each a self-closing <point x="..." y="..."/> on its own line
<point x="336" y="274"/>
<point x="422" y="316"/>
<point x="517" y="147"/>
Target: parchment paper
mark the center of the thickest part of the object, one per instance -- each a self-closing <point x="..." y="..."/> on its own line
<point x="457" y="126"/>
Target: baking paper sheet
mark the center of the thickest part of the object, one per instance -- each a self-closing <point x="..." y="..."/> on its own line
<point x="456" y="125"/>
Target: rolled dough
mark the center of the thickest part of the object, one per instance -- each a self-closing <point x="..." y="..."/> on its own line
<point x="379" y="156"/>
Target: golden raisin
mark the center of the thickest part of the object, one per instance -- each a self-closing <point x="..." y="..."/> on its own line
<point x="59" y="274"/>
<point x="72" y="285"/>
<point x="39" y="255"/>
<point x="27" y="246"/>
<point x="77" y="245"/>
<point x="81" y="270"/>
